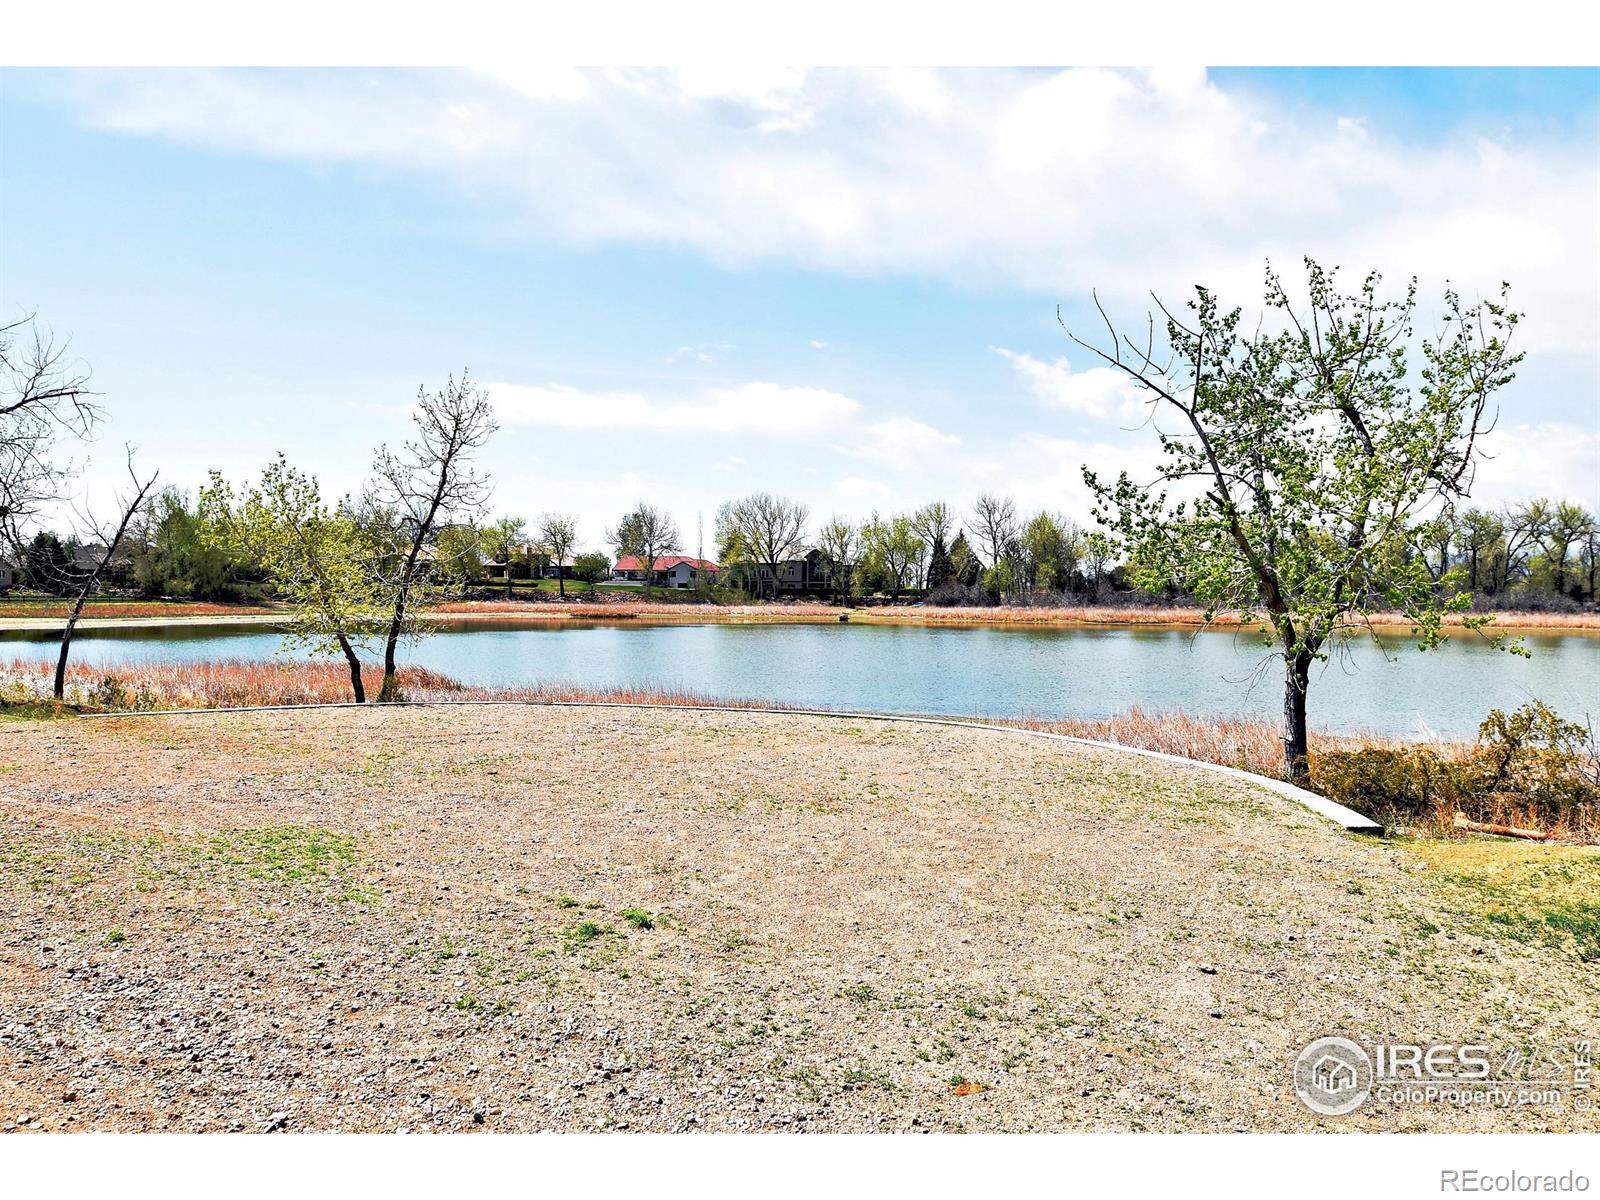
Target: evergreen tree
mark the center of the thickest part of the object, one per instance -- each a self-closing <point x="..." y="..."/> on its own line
<point x="964" y="563"/>
<point x="940" y="569"/>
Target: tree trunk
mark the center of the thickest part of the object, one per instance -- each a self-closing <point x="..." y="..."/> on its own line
<point x="94" y="577"/>
<point x="66" y="643"/>
<point x="561" y="582"/>
<point x="1296" y="754"/>
<point x="356" y="685"/>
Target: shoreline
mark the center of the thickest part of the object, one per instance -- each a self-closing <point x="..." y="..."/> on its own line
<point x="535" y="615"/>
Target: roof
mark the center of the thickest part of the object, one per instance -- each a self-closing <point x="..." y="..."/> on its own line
<point x="630" y="562"/>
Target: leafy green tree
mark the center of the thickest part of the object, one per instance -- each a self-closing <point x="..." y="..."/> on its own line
<point x="890" y="551"/>
<point x="1306" y="453"/>
<point x="167" y="549"/>
<point x="458" y="552"/>
<point x="501" y="539"/>
<point x="1478" y="536"/>
<point x="591" y="568"/>
<point x="1566" y="527"/>
<point x="318" y="558"/>
<point x="647" y="533"/>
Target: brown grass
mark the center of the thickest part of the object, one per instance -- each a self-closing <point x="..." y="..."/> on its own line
<point x="243" y="683"/>
<point x="99" y="609"/>
<point x="609" y="606"/>
<point x="239" y="683"/>
<point x="1177" y="615"/>
<point x="1250" y="745"/>
<point x="627" y="607"/>
<point x="1255" y="746"/>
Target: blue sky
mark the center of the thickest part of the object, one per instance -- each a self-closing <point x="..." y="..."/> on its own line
<point x="685" y="286"/>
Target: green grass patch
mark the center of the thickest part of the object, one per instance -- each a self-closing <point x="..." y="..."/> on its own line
<point x="283" y="853"/>
<point x="1525" y="892"/>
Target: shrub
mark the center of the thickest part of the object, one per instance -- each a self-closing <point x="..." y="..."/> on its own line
<point x="1530" y="768"/>
<point x="1401" y="787"/>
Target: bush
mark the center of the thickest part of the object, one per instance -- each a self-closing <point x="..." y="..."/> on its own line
<point x="1530" y="768"/>
<point x="1399" y="787"/>
<point x="951" y="594"/>
<point x="113" y="695"/>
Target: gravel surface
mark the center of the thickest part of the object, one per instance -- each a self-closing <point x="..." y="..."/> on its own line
<point x="508" y="918"/>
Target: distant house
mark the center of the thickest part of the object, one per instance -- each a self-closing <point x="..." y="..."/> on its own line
<point x="672" y="570"/>
<point x="806" y="572"/>
<point x="529" y="560"/>
<point x="8" y="576"/>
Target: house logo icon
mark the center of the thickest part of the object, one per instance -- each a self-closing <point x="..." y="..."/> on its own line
<point x="1333" y="1076"/>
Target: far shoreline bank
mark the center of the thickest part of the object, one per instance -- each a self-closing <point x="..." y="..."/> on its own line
<point x="537" y="614"/>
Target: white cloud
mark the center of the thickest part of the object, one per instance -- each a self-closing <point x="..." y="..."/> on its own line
<point x="1049" y="180"/>
<point x="898" y="441"/>
<point x="751" y="408"/>
<point x="860" y="490"/>
<point x="1548" y="459"/>
<point x="1097" y="392"/>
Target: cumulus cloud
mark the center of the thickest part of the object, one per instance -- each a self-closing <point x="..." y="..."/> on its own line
<point x="1049" y="180"/>
<point x="898" y="441"/>
<point x="752" y="408"/>
<point x="1097" y="392"/>
<point x="1551" y="458"/>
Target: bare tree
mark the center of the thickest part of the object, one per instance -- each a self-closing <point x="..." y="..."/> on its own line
<point x="559" y="533"/>
<point x="646" y="533"/>
<point x="771" y="528"/>
<point x="840" y="543"/>
<point x="932" y="523"/>
<point x="87" y="578"/>
<point x="993" y="525"/>
<point x="430" y="478"/>
<point x="42" y="397"/>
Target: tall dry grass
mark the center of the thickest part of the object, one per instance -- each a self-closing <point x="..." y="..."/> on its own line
<point x="1178" y="615"/>
<point x="104" y="609"/>
<point x="247" y="683"/>
<point x="1255" y="746"/>
<point x="623" y="608"/>
<point x="241" y="683"/>
<point x="617" y="607"/>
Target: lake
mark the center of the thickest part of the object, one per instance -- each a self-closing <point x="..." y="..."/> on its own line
<point x="983" y="670"/>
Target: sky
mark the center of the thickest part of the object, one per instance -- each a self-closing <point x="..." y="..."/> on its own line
<point x="683" y="286"/>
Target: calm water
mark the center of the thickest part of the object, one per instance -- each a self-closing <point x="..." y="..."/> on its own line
<point x="994" y="671"/>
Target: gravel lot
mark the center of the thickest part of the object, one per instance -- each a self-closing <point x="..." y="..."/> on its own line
<point x="513" y="918"/>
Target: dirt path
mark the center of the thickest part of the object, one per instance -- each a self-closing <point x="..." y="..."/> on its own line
<point x="530" y="918"/>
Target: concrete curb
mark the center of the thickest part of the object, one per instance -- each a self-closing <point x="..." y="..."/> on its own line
<point x="1346" y="818"/>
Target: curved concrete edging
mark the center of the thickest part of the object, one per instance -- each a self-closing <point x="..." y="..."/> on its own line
<point x="1346" y="818"/>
